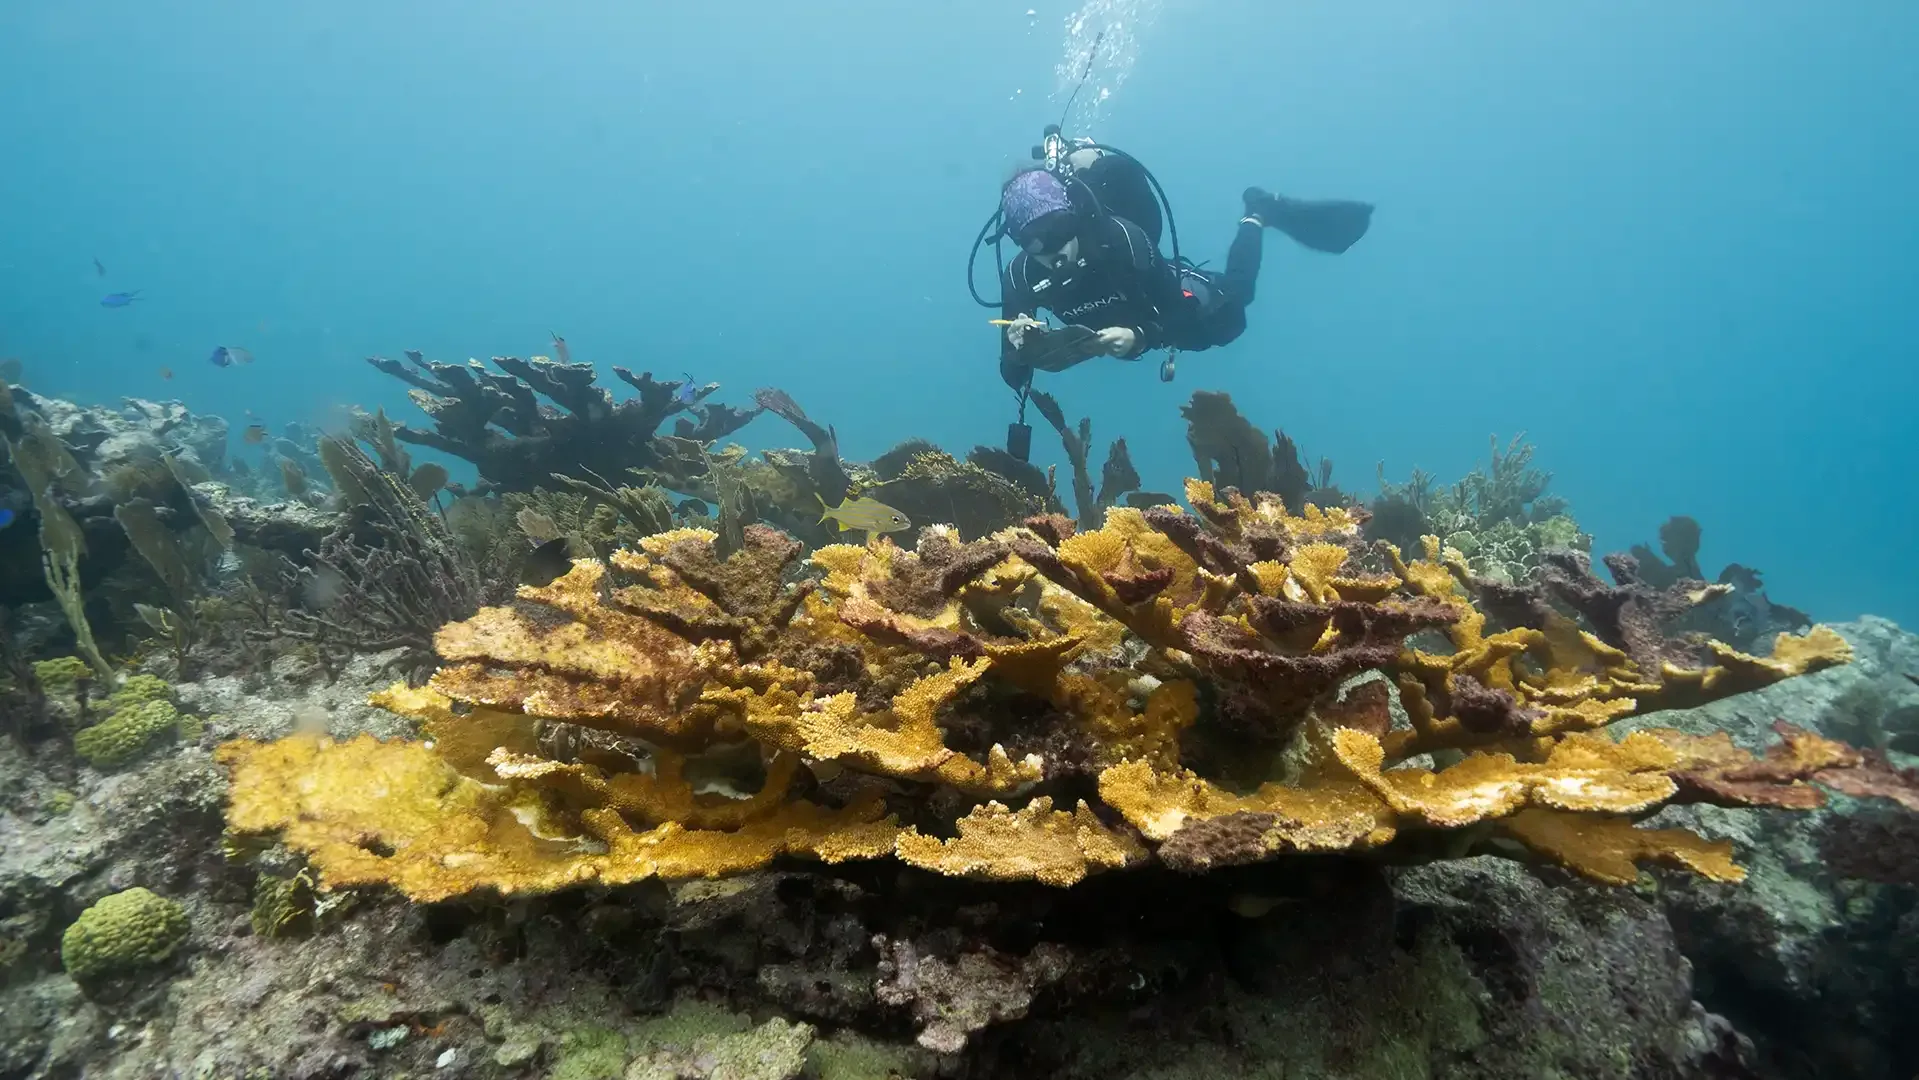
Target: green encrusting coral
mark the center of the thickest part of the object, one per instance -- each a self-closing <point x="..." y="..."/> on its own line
<point x="139" y="690"/>
<point x="136" y="717"/>
<point x="282" y="906"/>
<point x="127" y="734"/>
<point x="591" y="1053"/>
<point x="61" y="675"/>
<point x="776" y="1050"/>
<point x="121" y="934"/>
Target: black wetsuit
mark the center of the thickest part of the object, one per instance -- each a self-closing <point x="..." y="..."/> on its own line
<point x="1121" y="279"/>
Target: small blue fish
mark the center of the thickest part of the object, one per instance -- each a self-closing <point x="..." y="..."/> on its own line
<point x="119" y="299"/>
<point x="228" y="355"/>
<point x="689" y="391"/>
<point x="6" y="517"/>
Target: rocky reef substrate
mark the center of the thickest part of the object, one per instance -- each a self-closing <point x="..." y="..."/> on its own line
<point x="1339" y="969"/>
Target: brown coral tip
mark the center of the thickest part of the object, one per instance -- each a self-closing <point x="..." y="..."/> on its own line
<point x="1712" y="770"/>
<point x="1365" y="707"/>
<point x="1236" y="839"/>
<point x="1631" y="615"/>
<point x="967" y="563"/>
<point x="1267" y="542"/>
<point x="746" y="584"/>
<point x="1513" y="605"/>
<point x="1289" y="620"/>
<point x="911" y="586"/>
<point x="1188" y="533"/>
<point x="876" y="622"/>
<point x="921" y="583"/>
<point x="1393" y="622"/>
<point x="1239" y="654"/>
<point x="1133" y="583"/>
<point x="1874" y="777"/>
<point x="1484" y="710"/>
<point x="1055" y="529"/>
<point x="1046" y="561"/>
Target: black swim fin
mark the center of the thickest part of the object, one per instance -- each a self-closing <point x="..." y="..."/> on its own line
<point x="1328" y="225"/>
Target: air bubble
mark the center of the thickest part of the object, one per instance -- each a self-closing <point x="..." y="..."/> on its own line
<point x="1103" y="41"/>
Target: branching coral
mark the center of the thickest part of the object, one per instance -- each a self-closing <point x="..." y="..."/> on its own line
<point x="388" y="575"/>
<point x="1741" y="614"/>
<point x="1498" y="517"/>
<point x="498" y="421"/>
<point x="1202" y="688"/>
<point x="1117" y="476"/>
<point x="927" y="484"/>
<point x="1230" y="452"/>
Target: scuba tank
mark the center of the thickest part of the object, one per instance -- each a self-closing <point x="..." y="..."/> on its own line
<point x="1119" y="186"/>
<point x="1065" y="158"/>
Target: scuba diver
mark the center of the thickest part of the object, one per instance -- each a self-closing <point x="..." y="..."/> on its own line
<point x="1088" y="220"/>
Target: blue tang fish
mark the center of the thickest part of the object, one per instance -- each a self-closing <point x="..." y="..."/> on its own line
<point x="119" y="299"/>
<point x="6" y="517"/>
<point x="689" y="391"/>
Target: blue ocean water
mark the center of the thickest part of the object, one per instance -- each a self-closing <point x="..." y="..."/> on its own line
<point x="1671" y="243"/>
